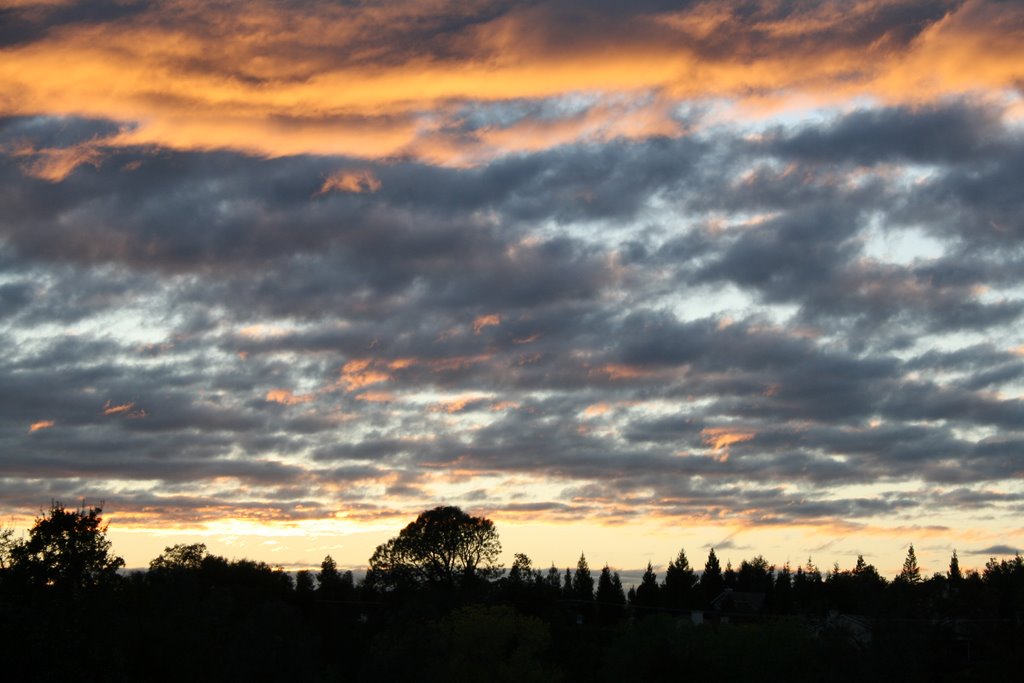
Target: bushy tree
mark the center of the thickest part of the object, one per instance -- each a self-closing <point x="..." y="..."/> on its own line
<point x="755" y="575"/>
<point x="304" y="585"/>
<point x="7" y="543"/>
<point x="180" y="557"/>
<point x="67" y="550"/>
<point x="442" y="546"/>
<point x="521" y="572"/>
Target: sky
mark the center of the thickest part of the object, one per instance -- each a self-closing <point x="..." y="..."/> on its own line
<point x="624" y="278"/>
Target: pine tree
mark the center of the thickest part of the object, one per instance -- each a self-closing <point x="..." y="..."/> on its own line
<point x="954" y="574"/>
<point x="567" y="585"/>
<point x="553" y="579"/>
<point x="729" y="576"/>
<point x="605" y="589"/>
<point x="782" y="594"/>
<point x="582" y="581"/>
<point x="617" y="593"/>
<point x="329" y="579"/>
<point x="610" y="597"/>
<point x="711" y="582"/>
<point x="647" y="595"/>
<point x="679" y="581"/>
<point x="911" y="573"/>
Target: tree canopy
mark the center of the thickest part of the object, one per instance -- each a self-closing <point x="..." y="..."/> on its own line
<point x="67" y="549"/>
<point x="443" y="545"/>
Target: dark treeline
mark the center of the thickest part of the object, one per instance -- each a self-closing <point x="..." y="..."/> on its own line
<point x="435" y="606"/>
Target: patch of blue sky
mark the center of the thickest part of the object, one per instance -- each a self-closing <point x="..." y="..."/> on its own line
<point x="743" y="119"/>
<point x="900" y="245"/>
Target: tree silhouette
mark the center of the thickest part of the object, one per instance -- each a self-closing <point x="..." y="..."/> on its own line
<point x="442" y="546"/>
<point x="328" y="579"/>
<point x="553" y="579"/>
<point x="68" y="550"/>
<point x="7" y="543"/>
<point x="648" y="595"/>
<point x="711" y="581"/>
<point x="521" y="572"/>
<point x="954" y="574"/>
<point x="610" y="597"/>
<point x="180" y="557"/>
<point x="729" y="576"/>
<point x="679" y="582"/>
<point x="911" y="573"/>
<point x="755" y="575"/>
<point x="304" y="583"/>
<point x="582" y="581"/>
<point x="567" y="585"/>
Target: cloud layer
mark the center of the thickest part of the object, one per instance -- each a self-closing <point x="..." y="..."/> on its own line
<point x="746" y="263"/>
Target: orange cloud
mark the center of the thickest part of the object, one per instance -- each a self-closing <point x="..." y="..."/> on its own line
<point x="42" y="424"/>
<point x="125" y="409"/>
<point x="351" y="181"/>
<point x="290" y="80"/>
<point x="616" y="371"/>
<point x="376" y="396"/>
<point x="483" y="321"/>
<point x="720" y="438"/>
<point x="55" y="164"/>
<point x="286" y="397"/>
<point x="358" y="373"/>
<point x="596" y="409"/>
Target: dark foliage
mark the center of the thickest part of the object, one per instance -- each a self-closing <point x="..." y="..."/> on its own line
<point x="67" y="614"/>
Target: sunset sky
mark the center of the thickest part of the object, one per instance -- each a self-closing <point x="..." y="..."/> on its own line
<point x="623" y="277"/>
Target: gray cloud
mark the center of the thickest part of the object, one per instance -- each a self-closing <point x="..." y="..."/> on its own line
<point x="136" y="282"/>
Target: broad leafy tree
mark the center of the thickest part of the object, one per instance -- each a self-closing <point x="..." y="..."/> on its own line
<point x="67" y="550"/>
<point x="180" y="557"/>
<point x="442" y="546"/>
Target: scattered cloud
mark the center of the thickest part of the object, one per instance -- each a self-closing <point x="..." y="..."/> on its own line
<point x="759" y="265"/>
<point x="42" y="424"/>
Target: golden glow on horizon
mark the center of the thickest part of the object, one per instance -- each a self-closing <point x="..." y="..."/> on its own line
<point x="547" y="539"/>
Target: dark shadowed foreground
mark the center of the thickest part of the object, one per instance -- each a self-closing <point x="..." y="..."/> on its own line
<point x="434" y="606"/>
